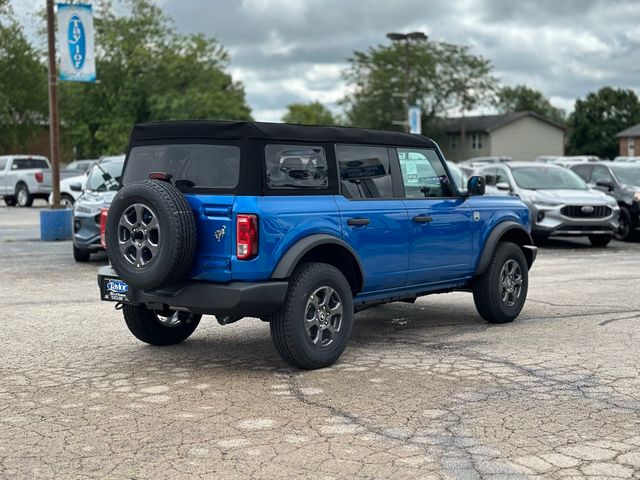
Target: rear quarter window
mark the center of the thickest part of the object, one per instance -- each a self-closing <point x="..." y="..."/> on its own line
<point x="296" y="167"/>
<point x="192" y="167"/>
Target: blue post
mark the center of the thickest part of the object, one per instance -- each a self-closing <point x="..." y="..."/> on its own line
<point x="55" y="224"/>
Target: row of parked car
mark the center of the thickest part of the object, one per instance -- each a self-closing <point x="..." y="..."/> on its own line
<point x="570" y="196"/>
<point x="566" y="196"/>
<point x="87" y="186"/>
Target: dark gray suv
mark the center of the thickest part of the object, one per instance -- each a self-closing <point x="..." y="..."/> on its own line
<point x="621" y="181"/>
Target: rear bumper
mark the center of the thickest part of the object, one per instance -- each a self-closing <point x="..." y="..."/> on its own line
<point x="238" y="299"/>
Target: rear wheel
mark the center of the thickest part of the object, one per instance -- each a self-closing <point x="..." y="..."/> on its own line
<point x="81" y="255"/>
<point x="500" y="292"/>
<point x="24" y="198"/>
<point x="600" y="240"/>
<point x="10" y="201"/>
<point x="313" y="326"/>
<point x="159" y="328"/>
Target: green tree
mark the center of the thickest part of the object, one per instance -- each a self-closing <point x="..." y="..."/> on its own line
<point x="442" y="77"/>
<point x="597" y="118"/>
<point x="23" y="81"/>
<point x="313" y="113"/>
<point x="147" y="72"/>
<point x="522" y="98"/>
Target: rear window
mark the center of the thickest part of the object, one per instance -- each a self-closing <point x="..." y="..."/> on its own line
<point x="191" y="166"/>
<point x="296" y="167"/>
<point x="29" y="163"/>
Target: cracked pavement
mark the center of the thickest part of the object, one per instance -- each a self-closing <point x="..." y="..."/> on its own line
<point x="422" y="391"/>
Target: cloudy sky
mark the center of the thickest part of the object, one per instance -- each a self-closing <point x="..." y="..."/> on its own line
<point x="294" y="50"/>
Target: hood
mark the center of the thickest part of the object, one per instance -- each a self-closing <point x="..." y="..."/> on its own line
<point x="97" y="199"/>
<point x="572" y="197"/>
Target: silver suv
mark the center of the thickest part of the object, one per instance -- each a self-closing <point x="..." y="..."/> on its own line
<point x="560" y="202"/>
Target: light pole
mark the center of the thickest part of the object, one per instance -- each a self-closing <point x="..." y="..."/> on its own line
<point x="406" y="38"/>
<point x="54" y="133"/>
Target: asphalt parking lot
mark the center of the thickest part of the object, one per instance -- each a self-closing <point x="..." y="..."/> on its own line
<point x="423" y="391"/>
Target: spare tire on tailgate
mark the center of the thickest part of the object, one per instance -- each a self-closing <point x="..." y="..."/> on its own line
<point x="150" y="234"/>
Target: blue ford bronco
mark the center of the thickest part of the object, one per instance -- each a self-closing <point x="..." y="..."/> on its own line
<point x="301" y="227"/>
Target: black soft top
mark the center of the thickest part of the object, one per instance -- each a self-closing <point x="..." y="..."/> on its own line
<point x="215" y="129"/>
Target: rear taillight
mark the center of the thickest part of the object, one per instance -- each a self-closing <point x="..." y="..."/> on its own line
<point x="246" y="236"/>
<point x="103" y="227"/>
<point x="39" y="177"/>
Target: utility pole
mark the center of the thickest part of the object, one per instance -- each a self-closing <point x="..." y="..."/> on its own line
<point x="54" y="131"/>
<point x="406" y="39"/>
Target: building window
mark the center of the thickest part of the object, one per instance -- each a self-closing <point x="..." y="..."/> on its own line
<point x="631" y="147"/>
<point x="476" y="141"/>
<point x="452" y="138"/>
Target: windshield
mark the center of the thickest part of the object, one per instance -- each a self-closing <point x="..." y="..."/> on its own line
<point x="105" y="176"/>
<point x="628" y="175"/>
<point x="547" y="178"/>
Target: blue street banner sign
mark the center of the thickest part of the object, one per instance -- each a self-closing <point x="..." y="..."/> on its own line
<point x="415" y="122"/>
<point x="75" y="43"/>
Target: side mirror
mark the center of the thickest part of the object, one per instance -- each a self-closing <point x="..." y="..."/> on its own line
<point x="476" y="185"/>
<point x="75" y="187"/>
<point x="503" y="186"/>
<point x="605" y="184"/>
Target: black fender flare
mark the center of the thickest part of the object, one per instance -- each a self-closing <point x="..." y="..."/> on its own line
<point x="492" y="242"/>
<point x="290" y="260"/>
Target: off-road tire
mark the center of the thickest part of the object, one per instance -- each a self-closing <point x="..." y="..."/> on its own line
<point x="81" y="255"/>
<point x="146" y="327"/>
<point x="177" y="242"/>
<point x="486" y="288"/>
<point x="287" y="324"/>
<point x="10" y="201"/>
<point x="22" y="191"/>
<point x="600" y="241"/>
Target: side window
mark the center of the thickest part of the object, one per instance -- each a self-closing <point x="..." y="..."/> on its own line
<point x="601" y="173"/>
<point x="423" y="174"/>
<point x="295" y="167"/>
<point x="490" y="176"/>
<point x="364" y="171"/>
<point x="501" y="176"/>
<point x="583" y="171"/>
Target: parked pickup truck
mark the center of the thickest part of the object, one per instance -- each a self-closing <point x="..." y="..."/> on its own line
<point x="24" y="178"/>
<point x="301" y="227"/>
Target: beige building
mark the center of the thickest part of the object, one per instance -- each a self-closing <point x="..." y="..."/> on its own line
<point x="630" y="141"/>
<point x="519" y="135"/>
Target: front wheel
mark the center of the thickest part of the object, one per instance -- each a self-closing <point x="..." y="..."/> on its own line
<point x="66" y="201"/>
<point x="81" y="255"/>
<point x="600" y="240"/>
<point x="500" y="292"/>
<point x="625" y="229"/>
<point x="159" y="328"/>
<point x="313" y="326"/>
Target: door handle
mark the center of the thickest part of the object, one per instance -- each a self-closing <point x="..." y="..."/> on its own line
<point x="422" y="219"/>
<point x="355" y="222"/>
